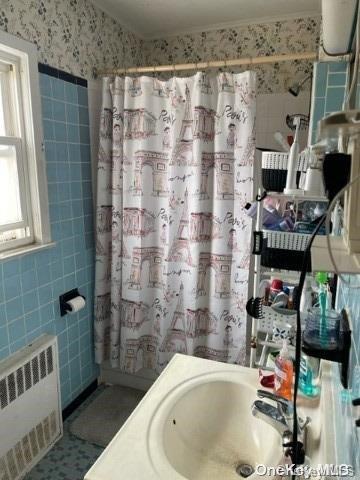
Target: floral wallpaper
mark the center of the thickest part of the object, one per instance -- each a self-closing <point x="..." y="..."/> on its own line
<point x="296" y="35"/>
<point x="72" y="35"/>
<point x="77" y="37"/>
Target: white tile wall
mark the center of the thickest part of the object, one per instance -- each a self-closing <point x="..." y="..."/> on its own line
<point x="271" y="111"/>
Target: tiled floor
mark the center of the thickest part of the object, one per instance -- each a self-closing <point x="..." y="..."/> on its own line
<point x="71" y="457"/>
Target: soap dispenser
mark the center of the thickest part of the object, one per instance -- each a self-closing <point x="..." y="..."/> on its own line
<point x="283" y="373"/>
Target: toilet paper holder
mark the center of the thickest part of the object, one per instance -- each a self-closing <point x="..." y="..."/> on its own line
<point x="65" y="297"/>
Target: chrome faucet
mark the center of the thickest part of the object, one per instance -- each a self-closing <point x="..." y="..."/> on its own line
<point x="280" y="417"/>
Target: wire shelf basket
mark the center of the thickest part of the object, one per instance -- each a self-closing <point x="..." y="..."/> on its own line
<point x="274" y="170"/>
<point x="281" y="250"/>
<point x="277" y="323"/>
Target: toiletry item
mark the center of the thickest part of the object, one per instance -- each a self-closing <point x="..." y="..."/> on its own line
<point x="291" y="187"/>
<point x="76" y="304"/>
<point x="275" y="288"/>
<point x="71" y="302"/>
<point x="322" y="330"/>
<point x="336" y="219"/>
<point x="251" y="209"/>
<point x="309" y="374"/>
<point x="308" y="227"/>
<point x="272" y="220"/>
<point x="283" y="373"/>
<point x="271" y="216"/>
<point x="296" y="298"/>
<point x="306" y="153"/>
<point x="290" y="293"/>
<point x="264" y="290"/>
<point x="319" y="210"/>
<point x="321" y="278"/>
<point x="314" y="183"/>
<point x="279" y="137"/>
<point x="280" y="300"/>
<point x="266" y="379"/>
<point x="306" y="299"/>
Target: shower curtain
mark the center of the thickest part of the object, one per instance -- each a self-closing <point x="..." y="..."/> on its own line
<point x="175" y="169"/>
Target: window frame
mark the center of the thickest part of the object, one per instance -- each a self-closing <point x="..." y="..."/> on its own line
<point x="30" y="159"/>
<point x="23" y="193"/>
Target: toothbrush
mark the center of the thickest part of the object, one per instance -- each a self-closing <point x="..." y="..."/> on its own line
<point x="323" y="301"/>
<point x="323" y="304"/>
<point x="293" y="159"/>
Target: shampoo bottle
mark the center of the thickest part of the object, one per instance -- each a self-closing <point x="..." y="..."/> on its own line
<point x="283" y="373"/>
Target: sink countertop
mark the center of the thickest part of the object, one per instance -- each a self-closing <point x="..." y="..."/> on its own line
<point x="128" y="456"/>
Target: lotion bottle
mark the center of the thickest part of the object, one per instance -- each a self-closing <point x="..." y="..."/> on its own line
<point x="283" y="373"/>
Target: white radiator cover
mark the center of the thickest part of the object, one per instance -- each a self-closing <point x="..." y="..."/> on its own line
<point x="30" y="414"/>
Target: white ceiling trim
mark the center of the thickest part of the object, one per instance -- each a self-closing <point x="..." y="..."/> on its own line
<point x="234" y="24"/>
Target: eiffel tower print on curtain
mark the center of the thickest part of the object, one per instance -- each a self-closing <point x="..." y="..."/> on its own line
<point x="175" y="338"/>
<point x="180" y="248"/>
<point x="183" y="154"/>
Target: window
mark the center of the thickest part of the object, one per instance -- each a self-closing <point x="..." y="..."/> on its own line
<point x="24" y="216"/>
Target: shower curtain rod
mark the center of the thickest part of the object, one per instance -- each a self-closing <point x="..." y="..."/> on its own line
<point x="214" y="64"/>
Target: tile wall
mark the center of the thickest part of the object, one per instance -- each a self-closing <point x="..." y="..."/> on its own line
<point x="328" y="95"/>
<point x="348" y="440"/>
<point x="328" y="91"/>
<point x="271" y="112"/>
<point x="30" y="285"/>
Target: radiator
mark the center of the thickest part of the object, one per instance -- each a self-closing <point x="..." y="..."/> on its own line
<point x="30" y="415"/>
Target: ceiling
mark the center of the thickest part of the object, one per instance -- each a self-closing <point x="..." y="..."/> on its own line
<point x="158" y="18"/>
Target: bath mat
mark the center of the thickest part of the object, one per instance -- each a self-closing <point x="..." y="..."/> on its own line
<point x="102" y="419"/>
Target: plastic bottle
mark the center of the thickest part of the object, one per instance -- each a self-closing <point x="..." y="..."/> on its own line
<point x="309" y="374"/>
<point x="283" y="373"/>
<point x="275" y="288"/>
<point x="306" y="299"/>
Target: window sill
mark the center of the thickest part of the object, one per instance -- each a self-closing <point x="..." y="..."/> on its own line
<point x="33" y="248"/>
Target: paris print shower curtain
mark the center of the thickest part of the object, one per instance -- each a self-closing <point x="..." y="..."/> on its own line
<point x="175" y="170"/>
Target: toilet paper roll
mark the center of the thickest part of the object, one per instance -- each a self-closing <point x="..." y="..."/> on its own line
<point x="76" y="304"/>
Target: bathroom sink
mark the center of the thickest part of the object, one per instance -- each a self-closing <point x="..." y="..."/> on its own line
<point x="209" y="432"/>
<point x="195" y="423"/>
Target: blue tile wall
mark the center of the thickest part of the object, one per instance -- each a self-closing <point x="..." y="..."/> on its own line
<point x="329" y="89"/>
<point x="30" y="285"/>
<point x="349" y="437"/>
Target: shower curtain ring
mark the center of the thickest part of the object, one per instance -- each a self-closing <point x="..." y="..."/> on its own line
<point x="173" y="67"/>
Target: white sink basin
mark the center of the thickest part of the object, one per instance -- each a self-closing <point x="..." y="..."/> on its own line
<point x="209" y="431"/>
<point x="197" y="425"/>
